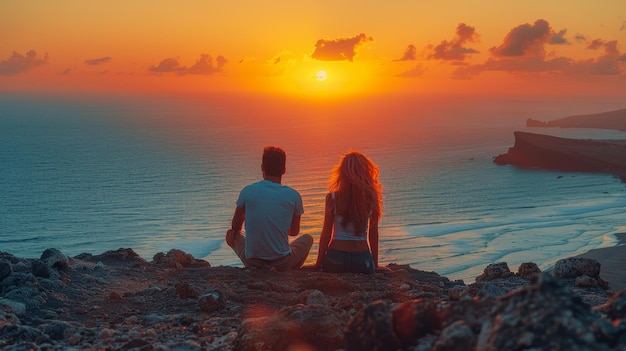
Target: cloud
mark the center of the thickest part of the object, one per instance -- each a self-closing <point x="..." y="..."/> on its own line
<point x="519" y="65"/>
<point x="19" y="63"/>
<point x="416" y="71"/>
<point x="281" y="63"/>
<point x="606" y="64"/>
<point x="522" y="51"/>
<point x="580" y="38"/>
<point x="454" y="49"/>
<point x="166" y="66"/>
<point x="409" y="54"/>
<point x="97" y="61"/>
<point x="525" y="40"/>
<point x="339" y="49"/>
<point x="559" y="38"/>
<point x="595" y="44"/>
<point x="246" y="59"/>
<point x="203" y="66"/>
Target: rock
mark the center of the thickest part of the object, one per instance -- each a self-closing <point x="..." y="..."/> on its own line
<point x="528" y="270"/>
<point x="372" y="329"/>
<point x="586" y="281"/>
<point x="544" y="316"/>
<point x="59" y="330"/>
<point x="137" y="344"/>
<point x="615" y="308"/>
<point x="173" y="258"/>
<point x="187" y="291"/>
<point x="458" y="292"/>
<point x="53" y="258"/>
<point x="6" y="268"/>
<point x="22" y="335"/>
<point x="128" y="304"/>
<point x="7" y="316"/>
<point x="17" y="307"/>
<point x="303" y="326"/>
<point x="115" y="257"/>
<point x="486" y="290"/>
<point x="43" y="270"/>
<point x="573" y="267"/>
<point x="312" y="297"/>
<point x="211" y="301"/>
<point x="495" y="271"/>
<point x="177" y="259"/>
<point x="413" y="319"/>
<point x="472" y="311"/>
<point x="457" y="336"/>
<point x="28" y="295"/>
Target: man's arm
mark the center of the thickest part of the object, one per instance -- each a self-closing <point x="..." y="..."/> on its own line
<point x="294" y="229"/>
<point x="240" y="215"/>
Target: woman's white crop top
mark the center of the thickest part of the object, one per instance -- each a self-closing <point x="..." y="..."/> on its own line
<point x="348" y="233"/>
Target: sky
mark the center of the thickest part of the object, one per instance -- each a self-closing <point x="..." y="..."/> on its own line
<point x="314" y="49"/>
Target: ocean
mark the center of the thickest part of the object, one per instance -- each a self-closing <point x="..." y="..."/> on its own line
<point x="152" y="173"/>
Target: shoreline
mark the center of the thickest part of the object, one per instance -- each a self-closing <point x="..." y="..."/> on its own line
<point x="612" y="260"/>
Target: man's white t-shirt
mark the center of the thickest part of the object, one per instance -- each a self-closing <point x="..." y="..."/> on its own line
<point x="269" y="209"/>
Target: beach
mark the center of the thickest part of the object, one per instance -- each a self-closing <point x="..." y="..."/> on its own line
<point x="613" y="261"/>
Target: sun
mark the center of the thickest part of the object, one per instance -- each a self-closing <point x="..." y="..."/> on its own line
<point x="321" y="76"/>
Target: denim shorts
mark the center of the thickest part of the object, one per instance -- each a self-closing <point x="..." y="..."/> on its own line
<point x="337" y="261"/>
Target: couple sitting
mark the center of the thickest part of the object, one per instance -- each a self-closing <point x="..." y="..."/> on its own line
<point x="272" y="211"/>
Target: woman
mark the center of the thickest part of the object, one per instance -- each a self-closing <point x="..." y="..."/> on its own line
<point x="353" y="209"/>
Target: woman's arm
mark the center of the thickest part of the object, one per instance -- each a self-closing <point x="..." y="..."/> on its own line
<point x="373" y="237"/>
<point x="327" y="230"/>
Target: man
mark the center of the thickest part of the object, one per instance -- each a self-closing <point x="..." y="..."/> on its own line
<point x="271" y="212"/>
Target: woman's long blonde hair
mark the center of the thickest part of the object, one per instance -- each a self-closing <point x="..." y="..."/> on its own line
<point x="358" y="191"/>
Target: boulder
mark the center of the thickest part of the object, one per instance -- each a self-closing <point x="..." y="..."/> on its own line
<point x="211" y="300"/>
<point x="458" y="336"/>
<point x="54" y="258"/>
<point x="372" y="329"/>
<point x="495" y="271"/>
<point x="528" y="270"/>
<point x="543" y="316"/>
<point x="573" y="267"/>
<point x="174" y="258"/>
<point x="6" y="268"/>
<point x="413" y="319"/>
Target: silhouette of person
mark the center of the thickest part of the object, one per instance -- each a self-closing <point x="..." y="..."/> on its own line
<point x="271" y="213"/>
<point x="352" y="211"/>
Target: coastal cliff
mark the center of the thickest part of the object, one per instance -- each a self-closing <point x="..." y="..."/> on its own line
<point x="546" y="152"/>
<point x="120" y="301"/>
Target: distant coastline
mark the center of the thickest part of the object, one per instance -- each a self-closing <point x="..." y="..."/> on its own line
<point x="539" y="151"/>
<point x="615" y="120"/>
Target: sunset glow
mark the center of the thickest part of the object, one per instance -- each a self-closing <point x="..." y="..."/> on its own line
<point x="321" y="76"/>
<point x="408" y="48"/>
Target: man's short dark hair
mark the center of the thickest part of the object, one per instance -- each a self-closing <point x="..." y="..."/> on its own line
<point x="274" y="159"/>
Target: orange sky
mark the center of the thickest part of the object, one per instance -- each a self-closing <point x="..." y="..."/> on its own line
<point x="552" y="47"/>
